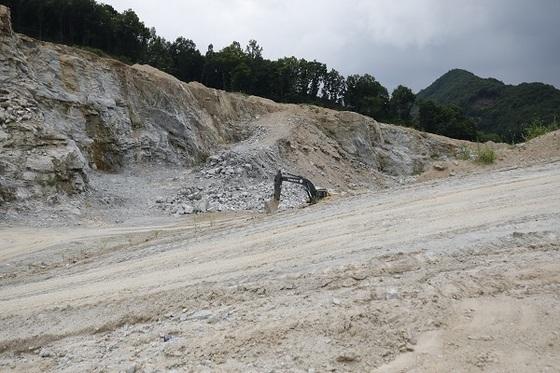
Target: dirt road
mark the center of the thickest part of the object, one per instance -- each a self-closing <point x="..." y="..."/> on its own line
<point x="456" y="275"/>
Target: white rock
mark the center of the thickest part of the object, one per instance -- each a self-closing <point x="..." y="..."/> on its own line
<point x="202" y="205"/>
<point x="44" y="353"/>
<point x="440" y="166"/>
<point x="200" y="315"/>
<point x="187" y="209"/>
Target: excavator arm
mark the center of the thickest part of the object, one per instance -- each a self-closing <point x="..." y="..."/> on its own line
<point x="313" y="194"/>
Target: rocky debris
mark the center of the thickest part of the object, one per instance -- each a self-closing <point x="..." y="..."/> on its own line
<point x="198" y="315"/>
<point x="44" y="353"/>
<point x="166" y="337"/>
<point x="439" y="166"/>
<point x="15" y="109"/>
<point x="222" y="165"/>
<point x="235" y="195"/>
<point x="239" y="179"/>
<point x="231" y="165"/>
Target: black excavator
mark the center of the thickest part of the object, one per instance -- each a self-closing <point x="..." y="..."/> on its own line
<point x="314" y="194"/>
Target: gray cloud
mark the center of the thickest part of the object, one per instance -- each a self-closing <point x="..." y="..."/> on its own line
<point x="408" y="42"/>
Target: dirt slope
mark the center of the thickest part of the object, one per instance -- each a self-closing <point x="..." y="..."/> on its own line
<point x="456" y="275"/>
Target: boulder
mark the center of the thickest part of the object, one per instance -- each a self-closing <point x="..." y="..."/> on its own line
<point x="439" y="166"/>
<point x="187" y="209"/>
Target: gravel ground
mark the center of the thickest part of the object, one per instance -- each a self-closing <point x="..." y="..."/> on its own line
<point x="455" y="275"/>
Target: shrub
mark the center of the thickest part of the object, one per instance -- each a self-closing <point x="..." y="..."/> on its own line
<point x="537" y="128"/>
<point x="486" y="155"/>
<point x="464" y="153"/>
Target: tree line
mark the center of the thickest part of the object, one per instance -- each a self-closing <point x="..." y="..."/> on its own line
<point x="99" y="27"/>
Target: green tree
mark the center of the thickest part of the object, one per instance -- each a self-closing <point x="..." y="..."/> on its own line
<point x="254" y="50"/>
<point x="187" y="60"/>
<point x="317" y="72"/>
<point x="334" y="88"/>
<point x="285" y="78"/>
<point x="159" y="52"/>
<point x="82" y="22"/>
<point x="303" y="80"/>
<point x="211" y="76"/>
<point x="132" y="38"/>
<point x="401" y="103"/>
<point x="241" y="78"/>
<point x="367" y="96"/>
<point x="226" y="61"/>
<point x="448" y="121"/>
<point x="259" y="81"/>
<point x="263" y="79"/>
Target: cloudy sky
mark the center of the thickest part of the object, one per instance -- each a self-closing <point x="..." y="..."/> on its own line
<point x="409" y="42"/>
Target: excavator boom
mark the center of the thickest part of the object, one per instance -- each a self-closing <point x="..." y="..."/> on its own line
<point x="313" y="194"/>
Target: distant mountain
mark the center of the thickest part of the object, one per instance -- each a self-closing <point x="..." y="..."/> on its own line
<point x="495" y="107"/>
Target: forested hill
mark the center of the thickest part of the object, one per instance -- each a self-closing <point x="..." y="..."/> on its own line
<point x="495" y="107"/>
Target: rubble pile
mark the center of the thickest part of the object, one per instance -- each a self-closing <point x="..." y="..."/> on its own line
<point x="231" y="165"/>
<point x="231" y="182"/>
<point x="237" y="179"/>
<point x="245" y="195"/>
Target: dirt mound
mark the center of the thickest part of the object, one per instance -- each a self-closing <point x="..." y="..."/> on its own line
<point x="542" y="148"/>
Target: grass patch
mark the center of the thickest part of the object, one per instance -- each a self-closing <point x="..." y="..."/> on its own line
<point x="486" y="155"/>
<point x="538" y="128"/>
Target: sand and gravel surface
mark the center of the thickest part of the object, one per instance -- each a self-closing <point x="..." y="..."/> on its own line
<point x="461" y="274"/>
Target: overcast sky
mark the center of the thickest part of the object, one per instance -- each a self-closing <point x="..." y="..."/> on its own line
<point x="410" y="42"/>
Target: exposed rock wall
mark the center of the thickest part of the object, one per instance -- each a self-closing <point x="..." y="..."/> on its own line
<point x="65" y="112"/>
<point x="34" y="159"/>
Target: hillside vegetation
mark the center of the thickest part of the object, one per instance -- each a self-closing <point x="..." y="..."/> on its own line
<point x="498" y="110"/>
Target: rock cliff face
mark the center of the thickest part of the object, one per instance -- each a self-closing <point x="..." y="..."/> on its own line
<point x="67" y="114"/>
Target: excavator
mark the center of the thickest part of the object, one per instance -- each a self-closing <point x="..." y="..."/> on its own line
<point x="314" y="194"/>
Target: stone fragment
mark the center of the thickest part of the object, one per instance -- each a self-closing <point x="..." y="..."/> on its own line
<point x="440" y="166"/>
